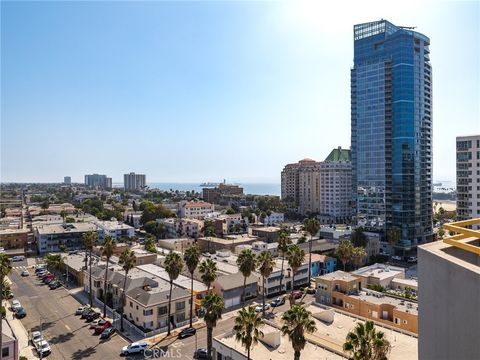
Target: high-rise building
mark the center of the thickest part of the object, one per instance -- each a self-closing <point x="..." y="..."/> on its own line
<point x="449" y="297"/>
<point x="468" y="177"/>
<point x="323" y="188"/>
<point x="67" y="180"/>
<point x="134" y="181"/>
<point x="391" y="124"/>
<point x="98" y="181"/>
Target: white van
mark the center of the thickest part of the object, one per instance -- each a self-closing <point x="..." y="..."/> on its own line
<point x="134" y="348"/>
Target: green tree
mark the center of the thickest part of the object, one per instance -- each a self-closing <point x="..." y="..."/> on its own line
<point x="208" y="270"/>
<point x="365" y="343"/>
<point x="45" y="205"/>
<point x="296" y="322"/>
<point x="344" y="252"/>
<point x="154" y="228"/>
<point x="247" y="264"/>
<point x="312" y="227"/>
<point x="283" y="243"/>
<point x="209" y="228"/>
<point x="127" y="260"/>
<point x="108" y="249"/>
<point x="358" y="254"/>
<point x="230" y="211"/>
<point x="63" y="214"/>
<point x="89" y="240"/>
<point x="5" y="268"/>
<point x="173" y="266"/>
<point x="265" y="264"/>
<point x="408" y="292"/>
<point x="394" y="234"/>
<point x="53" y="261"/>
<point x="6" y="290"/>
<point x="246" y="328"/>
<point x="358" y="237"/>
<point x="150" y="244"/>
<point x="213" y="305"/>
<point x="191" y="258"/>
<point x="441" y="233"/>
<point x="295" y="258"/>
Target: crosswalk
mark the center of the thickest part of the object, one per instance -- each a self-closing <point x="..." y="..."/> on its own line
<point x="21" y="267"/>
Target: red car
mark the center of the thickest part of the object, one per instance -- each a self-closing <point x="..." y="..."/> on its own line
<point x="297" y="294"/>
<point x="102" y="325"/>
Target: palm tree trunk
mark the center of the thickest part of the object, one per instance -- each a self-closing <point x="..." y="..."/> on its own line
<point x="292" y="299"/>
<point x="209" y="342"/>
<point x="105" y="291"/>
<point x="310" y="260"/>
<point x="244" y="291"/>
<point x="263" y="300"/>
<point x="296" y="355"/>
<point x="191" y="301"/>
<point x="281" y="274"/>
<point x="90" y="279"/>
<point x="248" y="354"/>
<point x="124" y="299"/>
<point x="169" y="307"/>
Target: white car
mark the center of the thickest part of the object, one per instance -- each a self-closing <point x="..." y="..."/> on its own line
<point x="80" y="309"/>
<point x="94" y="323"/>
<point x="43" y="348"/>
<point x="398" y="258"/>
<point x="16" y="305"/>
<point x="134" y="348"/>
<point x="259" y="308"/>
<point x="25" y="273"/>
<point x="18" y="258"/>
<point x="36" y="337"/>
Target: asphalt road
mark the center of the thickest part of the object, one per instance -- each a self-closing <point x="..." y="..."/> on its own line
<point x="52" y="311"/>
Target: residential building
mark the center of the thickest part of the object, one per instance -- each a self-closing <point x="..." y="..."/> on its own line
<point x="49" y="238"/>
<point x="226" y="224"/>
<point x="321" y="264"/>
<point x="230" y="288"/>
<point x="268" y="234"/>
<point x="222" y="194"/>
<point x="260" y="246"/>
<point x="134" y="181"/>
<point x="67" y="180"/>
<point x="98" y="181"/>
<point x="14" y="238"/>
<point x="274" y="218"/>
<point x="344" y="291"/>
<point x="449" y="275"/>
<point x="468" y="177"/>
<point x="195" y="209"/>
<point x="116" y="229"/>
<point x="379" y="274"/>
<point x="178" y="244"/>
<point x="335" y="232"/>
<point x="391" y="125"/>
<point x="213" y="244"/>
<point x="179" y="228"/>
<point x="9" y="343"/>
<point x="336" y="187"/>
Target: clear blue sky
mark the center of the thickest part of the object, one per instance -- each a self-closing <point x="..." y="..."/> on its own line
<point x="202" y="91"/>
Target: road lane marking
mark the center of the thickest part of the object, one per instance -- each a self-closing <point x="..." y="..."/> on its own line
<point x="68" y="328"/>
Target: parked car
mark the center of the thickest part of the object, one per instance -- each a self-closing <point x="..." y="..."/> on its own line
<point x="102" y="325"/>
<point x="310" y="291"/>
<point x="259" y="308"/>
<point x="297" y="294"/>
<point x="36" y="337"/>
<point x="107" y="333"/>
<point x="80" y="310"/>
<point x="201" y="353"/>
<point x="134" y="348"/>
<point x="16" y="305"/>
<point x="43" y="348"/>
<point x="86" y="311"/>
<point x="92" y="316"/>
<point x="396" y="258"/>
<point x="94" y="323"/>
<point x="25" y="273"/>
<point x="49" y="280"/>
<point x="55" y="284"/>
<point x="20" y="313"/>
<point x="10" y="295"/>
<point x="42" y="273"/>
<point x="18" y="258"/>
<point x="278" y="301"/>
<point x="190" y="331"/>
<point x="412" y="259"/>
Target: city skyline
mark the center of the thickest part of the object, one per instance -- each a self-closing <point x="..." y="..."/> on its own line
<point x="109" y="98"/>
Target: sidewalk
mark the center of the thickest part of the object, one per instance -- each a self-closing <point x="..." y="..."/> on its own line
<point x="20" y="333"/>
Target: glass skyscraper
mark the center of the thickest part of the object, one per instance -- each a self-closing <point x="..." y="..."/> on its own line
<point x="391" y="115"/>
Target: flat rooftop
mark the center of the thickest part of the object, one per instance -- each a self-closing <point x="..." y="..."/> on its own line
<point x="404" y="347"/>
<point x="113" y="225"/>
<point x="402" y="305"/>
<point x="182" y="281"/>
<point x="66" y="228"/>
<point x="339" y="275"/>
<point x="380" y="271"/>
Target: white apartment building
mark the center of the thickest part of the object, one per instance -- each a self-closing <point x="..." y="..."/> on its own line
<point x="468" y="177"/>
<point x="261" y="246"/>
<point x="49" y="238"/>
<point x="134" y="181"/>
<point x="195" y="209"/>
<point x="116" y="229"/>
<point x="178" y="228"/>
<point x="273" y="218"/>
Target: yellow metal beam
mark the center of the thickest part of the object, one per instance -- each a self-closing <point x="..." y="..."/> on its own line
<point x="462" y="234"/>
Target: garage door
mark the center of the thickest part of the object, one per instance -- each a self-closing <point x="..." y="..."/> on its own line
<point x="232" y="302"/>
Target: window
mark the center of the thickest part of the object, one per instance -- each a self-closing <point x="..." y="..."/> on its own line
<point x="148" y="312"/>
<point x="180" y="317"/>
<point x="5" y="351"/>
<point x="131" y="304"/>
<point x="162" y="310"/>
<point x="180" y="305"/>
<point x="148" y="325"/>
<point x="397" y="321"/>
<point x="405" y="322"/>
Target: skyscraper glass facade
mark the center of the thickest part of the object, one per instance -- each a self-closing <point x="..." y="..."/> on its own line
<point x="391" y="115"/>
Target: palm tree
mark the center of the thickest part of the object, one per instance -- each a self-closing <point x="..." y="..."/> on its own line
<point x="173" y="266"/>
<point x="296" y="322"/>
<point x="265" y="267"/>
<point x="344" y="252"/>
<point x="295" y="258"/>
<point x="89" y="240"/>
<point x="208" y="269"/>
<point x="246" y="328"/>
<point x="127" y="261"/>
<point x="247" y="263"/>
<point x="191" y="258"/>
<point x="5" y="268"/>
<point x="394" y="234"/>
<point x="358" y="254"/>
<point x="213" y="305"/>
<point x="283" y="242"/>
<point x="108" y="249"/>
<point x="311" y="226"/>
<point x="53" y="261"/>
<point x="6" y="290"/>
<point x="365" y="343"/>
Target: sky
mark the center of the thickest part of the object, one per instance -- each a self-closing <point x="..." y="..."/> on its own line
<point x="205" y="91"/>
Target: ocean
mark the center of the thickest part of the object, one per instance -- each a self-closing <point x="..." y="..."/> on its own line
<point x="248" y="188"/>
